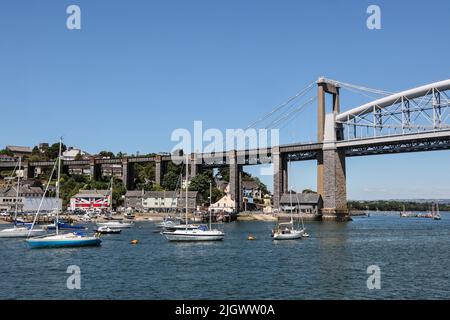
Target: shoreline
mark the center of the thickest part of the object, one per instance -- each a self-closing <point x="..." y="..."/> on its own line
<point x="243" y="216"/>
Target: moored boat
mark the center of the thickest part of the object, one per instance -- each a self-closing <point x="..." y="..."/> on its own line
<point x="192" y="232"/>
<point x="65" y="226"/>
<point x="108" y="230"/>
<point x="199" y="234"/>
<point x="20" y="232"/>
<point x="74" y="239"/>
<point x="60" y="240"/>
<point x="20" y="228"/>
<point x="115" y="224"/>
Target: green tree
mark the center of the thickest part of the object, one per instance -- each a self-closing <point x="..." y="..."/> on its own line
<point x="201" y="183"/>
<point x="224" y="174"/>
<point x="78" y="157"/>
<point x="106" y="154"/>
<point x="157" y="187"/>
<point x="6" y="152"/>
<point x="53" y="151"/>
<point x="171" y="180"/>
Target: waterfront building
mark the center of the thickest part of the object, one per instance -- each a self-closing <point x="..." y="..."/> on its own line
<point x="301" y="202"/>
<point x="164" y="201"/>
<point x="133" y="200"/>
<point x="225" y="204"/>
<point x="19" y="151"/>
<point x="251" y="189"/>
<point x="28" y="200"/>
<point x="91" y="200"/>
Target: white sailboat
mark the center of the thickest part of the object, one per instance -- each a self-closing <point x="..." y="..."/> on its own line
<point x="73" y="239"/>
<point x="18" y="231"/>
<point x="287" y="230"/>
<point x="201" y="233"/>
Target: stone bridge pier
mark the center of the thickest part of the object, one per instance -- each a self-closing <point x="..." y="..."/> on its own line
<point x="280" y="175"/>
<point x="128" y="174"/>
<point x="235" y="179"/>
<point x="331" y="173"/>
<point x="160" y="170"/>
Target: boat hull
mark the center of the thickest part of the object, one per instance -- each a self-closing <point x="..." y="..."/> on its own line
<point x="193" y="236"/>
<point x="288" y="236"/>
<point x="115" y="225"/>
<point x="60" y="243"/>
<point x="9" y="233"/>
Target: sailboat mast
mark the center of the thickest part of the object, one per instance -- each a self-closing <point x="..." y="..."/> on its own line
<point x="210" y="201"/>
<point x="17" y="191"/>
<point x="187" y="173"/>
<point x="290" y="199"/>
<point x="290" y="194"/>
<point x="57" y="185"/>
<point x="111" y="195"/>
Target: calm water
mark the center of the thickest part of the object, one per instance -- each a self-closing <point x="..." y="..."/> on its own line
<point x="412" y="254"/>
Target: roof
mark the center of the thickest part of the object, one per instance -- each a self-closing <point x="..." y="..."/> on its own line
<point x="134" y="193"/>
<point x="24" y="190"/>
<point x="91" y="193"/>
<point x="302" y="198"/>
<point x="169" y="194"/>
<point x="19" y="149"/>
<point x="250" y="184"/>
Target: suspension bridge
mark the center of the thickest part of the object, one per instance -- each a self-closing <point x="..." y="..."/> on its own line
<point x="413" y="120"/>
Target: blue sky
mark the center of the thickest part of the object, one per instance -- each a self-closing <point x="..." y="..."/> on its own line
<point x="137" y="70"/>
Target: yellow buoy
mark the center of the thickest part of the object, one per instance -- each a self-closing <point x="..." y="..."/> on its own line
<point x="134" y="241"/>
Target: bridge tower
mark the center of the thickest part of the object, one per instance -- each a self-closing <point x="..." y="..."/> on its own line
<point x="160" y="169"/>
<point x="235" y="179"/>
<point x="331" y="174"/>
<point x="128" y="174"/>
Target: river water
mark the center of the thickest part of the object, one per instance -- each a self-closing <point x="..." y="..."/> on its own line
<point x="412" y="255"/>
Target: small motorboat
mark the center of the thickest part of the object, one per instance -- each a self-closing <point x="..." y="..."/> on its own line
<point x="108" y="230"/>
<point x="168" y="222"/>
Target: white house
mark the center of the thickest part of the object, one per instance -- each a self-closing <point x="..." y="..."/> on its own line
<point x="72" y="152"/>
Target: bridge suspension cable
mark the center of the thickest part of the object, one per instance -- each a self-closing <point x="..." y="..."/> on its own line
<point x="357" y="87"/>
<point x="301" y="93"/>
<point x="289" y="116"/>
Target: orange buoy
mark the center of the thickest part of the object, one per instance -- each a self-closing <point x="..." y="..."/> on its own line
<point x="134" y="241"/>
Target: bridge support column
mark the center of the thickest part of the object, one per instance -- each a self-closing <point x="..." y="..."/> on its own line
<point x="28" y="170"/>
<point x="235" y="180"/>
<point x="331" y="176"/>
<point x="65" y="169"/>
<point x="95" y="169"/>
<point x="280" y="176"/>
<point x="128" y="174"/>
<point x="160" y="170"/>
<point x="196" y="165"/>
